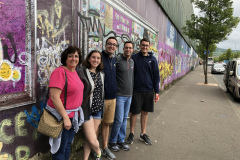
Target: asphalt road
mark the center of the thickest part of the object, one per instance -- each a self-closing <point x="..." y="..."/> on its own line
<point x="219" y="79"/>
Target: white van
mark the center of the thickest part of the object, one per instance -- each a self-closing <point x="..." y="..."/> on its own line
<point x="210" y="61"/>
<point x="231" y="78"/>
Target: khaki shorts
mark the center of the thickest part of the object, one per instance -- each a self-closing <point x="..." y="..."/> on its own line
<point x="109" y="110"/>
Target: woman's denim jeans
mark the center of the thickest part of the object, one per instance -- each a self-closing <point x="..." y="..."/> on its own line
<point x="118" y="133"/>
<point x="65" y="148"/>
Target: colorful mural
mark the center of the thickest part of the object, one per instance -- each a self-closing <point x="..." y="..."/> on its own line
<point x="17" y="137"/>
<point x="121" y="23"/>
<point x="105" y="21"/>
<point x="53" y="36"/>
<point x="12" y="46"/>
<point x="172" y="64"/>
<point x="175" y="40"/>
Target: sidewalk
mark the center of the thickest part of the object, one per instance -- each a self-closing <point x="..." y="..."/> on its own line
<point x="191" y="121"/>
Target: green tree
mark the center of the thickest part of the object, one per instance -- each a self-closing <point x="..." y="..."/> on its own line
<point x="235" y="55"/>
<point x="222" y="57"/>
<point x="201" y="50"/>
<point x="216" y="59"/>
<point x="213" y="25"/>
<point x="229" y="54"/>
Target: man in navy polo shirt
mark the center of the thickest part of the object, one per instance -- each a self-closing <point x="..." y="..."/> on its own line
<point x="110" y="88"/>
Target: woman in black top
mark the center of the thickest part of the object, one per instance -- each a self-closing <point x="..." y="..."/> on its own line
<point x="93" y="79"/>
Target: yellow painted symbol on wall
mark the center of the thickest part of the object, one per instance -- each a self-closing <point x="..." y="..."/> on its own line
<point x="166" y="70"/>
<point x="152" y="49"/>
<point x="16" y="75"/>
<point x="58" y="8"/>
<point x="5" y="71"/>
<point x="3" y="156"/>
<point x="1" y="145"/>
<point x="8" y="72"/>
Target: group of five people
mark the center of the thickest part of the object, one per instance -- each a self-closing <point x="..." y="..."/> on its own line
<point x="102" y="90"/>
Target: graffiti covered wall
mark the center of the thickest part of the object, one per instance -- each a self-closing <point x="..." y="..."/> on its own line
<point x="172" y="64"/>
<point x="107" y="21"/>
<point x="15" y="52"/>
<point x="12" y="47"/>
<point x="18" y="139"/>
<point x="54" y="32"/>
<point x="100" y="21"/>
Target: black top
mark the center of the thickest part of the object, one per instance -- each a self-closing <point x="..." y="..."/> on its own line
<point x="97" y="102"/>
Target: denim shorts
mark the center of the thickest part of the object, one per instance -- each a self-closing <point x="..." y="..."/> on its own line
<point x="97" y="115"/>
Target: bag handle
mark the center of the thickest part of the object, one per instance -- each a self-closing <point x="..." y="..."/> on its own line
<point x="65" y="93"/>
<point x="91" y="91"/>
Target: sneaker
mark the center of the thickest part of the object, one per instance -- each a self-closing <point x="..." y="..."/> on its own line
<point x="93" y="155"/>
<point x="130" y="138"/>
<point x="98" y="158"/>
<point x="123" y="146"/>
<point x="145" y="139"/>
<point x="107" y="153"/>
<point x="113" y="146"/>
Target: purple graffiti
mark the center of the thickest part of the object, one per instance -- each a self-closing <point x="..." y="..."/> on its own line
<point x="12" y="38"/>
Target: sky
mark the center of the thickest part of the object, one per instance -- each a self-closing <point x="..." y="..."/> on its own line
<point x="233" y="41"/>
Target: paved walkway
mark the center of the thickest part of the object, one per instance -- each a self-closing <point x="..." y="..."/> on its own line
<point x="191" y="121"/>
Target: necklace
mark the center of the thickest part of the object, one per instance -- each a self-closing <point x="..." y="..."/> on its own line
<point x="92" y="70"/>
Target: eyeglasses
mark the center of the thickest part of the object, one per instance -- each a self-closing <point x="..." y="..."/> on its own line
<point x="127" y="47"/>
<point x="112" y="44"/>
<point x="143" y="45"/>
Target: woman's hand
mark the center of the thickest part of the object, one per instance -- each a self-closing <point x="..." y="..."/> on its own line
<point x="67" y="123"/>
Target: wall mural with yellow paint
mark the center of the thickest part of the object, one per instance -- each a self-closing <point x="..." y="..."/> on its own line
<point x="54" y="34"/>
<point x="18" y="139"/>
<point x="12" y="46"/>
<point x="102" y="21"/>
<point x="172" y="64"/>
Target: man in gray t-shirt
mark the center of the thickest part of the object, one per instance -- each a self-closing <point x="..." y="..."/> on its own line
<point x="124" y="77"/>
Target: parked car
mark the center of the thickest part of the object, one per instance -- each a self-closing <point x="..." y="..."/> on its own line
<point x="217" y="68"/>
<point x="210" y="61"/>
<point x="231" y="78"/>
